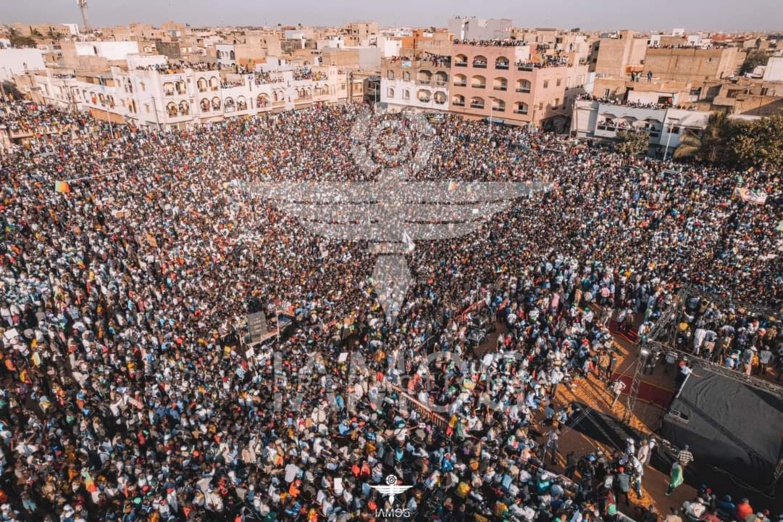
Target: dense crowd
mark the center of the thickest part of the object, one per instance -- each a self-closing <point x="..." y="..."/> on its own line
<point x="130" y="392"/>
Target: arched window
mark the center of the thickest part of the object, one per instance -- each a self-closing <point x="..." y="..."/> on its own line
<point x="441" y="79"/>
<point x="262" y="100"/>
<point x="501" y="63"/>
<point x="214" y="83"/>
<point x="202" y="85"/>
<point x="406" y="94"/>
<point x="480" y="62"/>
<point x="460" y="80"/>
<point x="216" y="103"/>
<point x="425" y="77"/>
<point x="423" y="96"/>
<point x="229" y="105"/>
<point x="500" y="84"/>
<point x="241" y="103"/>
<point x="184" y="108"/>
<point x="477" y="102"/>
<point x="204" y="105"/>
<point x="520" y="108"/>
<point x="171" y="108"/>
<point x="390" y="93"/>
<point x="523" y="86"/>
<point x="498" y="105"/>
<point x="406" y="76"/>
<point x="440" y="97"/>
<point x="232" y="55"/>
<point x="168" y="89"/>
<point x="461" y="60"/>
<point x="458" y="100"/>
<point x="478" y="82"/>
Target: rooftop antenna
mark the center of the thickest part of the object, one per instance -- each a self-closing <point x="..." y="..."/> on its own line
<point x="85" y="16"/>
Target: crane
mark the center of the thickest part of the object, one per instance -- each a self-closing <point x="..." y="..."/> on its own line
<point x="85" y="17"/>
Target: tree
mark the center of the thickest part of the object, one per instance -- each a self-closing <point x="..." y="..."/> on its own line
<point x="708" y="146"/>
<point x="632" y="143"/>
<point x="753" y="60"/>
<point x="758" y="144"/>
<point x="18" y="40"/>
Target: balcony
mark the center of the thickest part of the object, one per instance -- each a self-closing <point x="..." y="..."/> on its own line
<point x="460" y="64"/>
<point x="524" y="90"/>
<point x="458" y="103"/>
<point x="479" y="65"/>
<point x="520" y="111"/>
<point x="502" y="66"/>
<point x="479" y="85"/>
<point x="460" y="84"/>
<point x="500" y="88"/>
<point x="476" y="105"/>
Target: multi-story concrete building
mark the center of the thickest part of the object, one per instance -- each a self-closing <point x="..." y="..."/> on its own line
<point x="501" y="81"/>
<point x="664" y="125"/>
<point x="178" y="98"/>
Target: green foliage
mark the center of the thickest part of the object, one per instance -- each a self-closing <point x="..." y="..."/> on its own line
<point x="740" y="144"/>
<point x="632" y="143"/>
<point x="753" y="60"/>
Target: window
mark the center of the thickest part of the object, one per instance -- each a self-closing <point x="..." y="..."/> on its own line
<point x="559" y="82"/>
<point x="520" y="108"/>
<point x="406" y="94"/>
<point x="390" y="75"/>
<point x="557" y="103"/>
<point x="406" y="76"/>
<point x="607" y="93"/>
<point x="546" y="84"/>
<point x="390" y="93"/>
<point x="541" y="106"/>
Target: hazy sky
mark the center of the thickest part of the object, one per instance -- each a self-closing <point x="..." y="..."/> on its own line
<point x="710" y="15"/>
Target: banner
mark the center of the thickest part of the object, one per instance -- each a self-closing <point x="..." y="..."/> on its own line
<point x="751" y="196"/>
<point x="257" y="325"/>
<point x="62" y="187"/>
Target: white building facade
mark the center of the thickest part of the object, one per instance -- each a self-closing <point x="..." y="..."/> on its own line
<point x="150" y="98"/>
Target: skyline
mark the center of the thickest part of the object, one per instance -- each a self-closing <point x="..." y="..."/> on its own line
<point x="697" y="15"/>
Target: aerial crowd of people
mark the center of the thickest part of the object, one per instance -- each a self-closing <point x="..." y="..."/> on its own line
<point x="132" y="392"/>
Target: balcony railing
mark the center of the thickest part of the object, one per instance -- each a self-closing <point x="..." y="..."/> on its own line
<point x="424" y="81"/>
<point x="479" y="85"/>
<point x="480" y="65"/>
<point x="520" y="111"/>
<point x="460" y="64"/>
<point x="441" y="83"/>
<point x="525" y="90"/>
<point x="460" y="84"/>
<point x="458" y="103"/>
<point x="475" y="105"/>
<point x="498" y="109"/>
<point x="500" y="88"/>
<point x="502" y="66"/>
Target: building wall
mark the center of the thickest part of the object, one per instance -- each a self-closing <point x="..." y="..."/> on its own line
<point x="472" y="28"/>
<point x="615" y="55"/>
<point x="13" y="62"/>
<point x="107" y="50"/>
<point x="694" y="65"/>
<point x="774" y="70"/>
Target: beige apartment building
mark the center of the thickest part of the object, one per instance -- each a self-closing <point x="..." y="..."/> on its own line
<point x="507" y="83"/>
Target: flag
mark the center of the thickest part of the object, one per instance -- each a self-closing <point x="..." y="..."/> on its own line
<point x="62" y="187"/>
